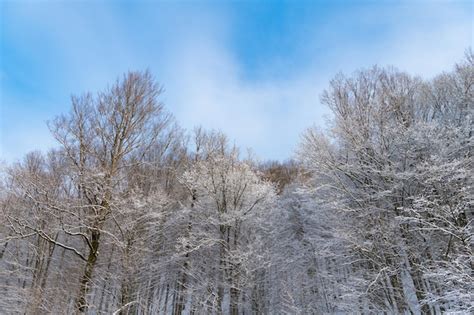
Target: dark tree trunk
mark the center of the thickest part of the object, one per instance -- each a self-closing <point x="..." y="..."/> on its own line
<point x="81" y="302"/>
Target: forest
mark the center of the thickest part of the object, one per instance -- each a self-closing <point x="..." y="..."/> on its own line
<point x="132" y="214"/>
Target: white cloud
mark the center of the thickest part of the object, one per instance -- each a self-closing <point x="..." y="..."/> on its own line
<point x="191" y="53"/>
<point x="268" y="115"/>
<point x="207" y="89"/>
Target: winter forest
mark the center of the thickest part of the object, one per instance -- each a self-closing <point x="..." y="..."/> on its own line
<point x="132" y="214"/>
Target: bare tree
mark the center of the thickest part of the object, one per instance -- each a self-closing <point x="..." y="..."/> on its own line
<point x="101" y="138"/>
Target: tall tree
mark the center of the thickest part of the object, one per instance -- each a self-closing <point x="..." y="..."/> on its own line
<point x="100" y="138"/>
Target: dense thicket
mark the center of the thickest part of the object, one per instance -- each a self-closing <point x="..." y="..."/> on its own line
<point x="132" y="215"/>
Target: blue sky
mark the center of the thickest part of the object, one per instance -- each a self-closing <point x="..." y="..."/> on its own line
<point x="253" y="69"/>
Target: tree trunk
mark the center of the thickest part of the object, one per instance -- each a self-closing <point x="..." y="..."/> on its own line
<point x="81" y="302"/>
<point x="234" y="274"/>
<point x="234" y="301"/>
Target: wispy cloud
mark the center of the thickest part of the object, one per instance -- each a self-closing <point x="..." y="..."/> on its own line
<point x="60" y="49"/>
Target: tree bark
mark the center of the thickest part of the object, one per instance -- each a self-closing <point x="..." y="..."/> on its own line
<point x="81" y="302"/>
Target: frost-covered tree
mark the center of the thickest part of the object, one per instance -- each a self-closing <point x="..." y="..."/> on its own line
<point x="229" y="202"/>
<point x="396" y="166"/>
<point x="132" y="215"/>
<point x="100" y="140"/>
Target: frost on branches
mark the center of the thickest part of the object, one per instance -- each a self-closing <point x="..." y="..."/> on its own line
<point x="396" y="167"/>
<point x="131" y="214"/>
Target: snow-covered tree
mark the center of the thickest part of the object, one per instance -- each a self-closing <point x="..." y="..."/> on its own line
<point x="229" y="204"/>
<point x="396" y="166"/>
<point x="133" y="215"/>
